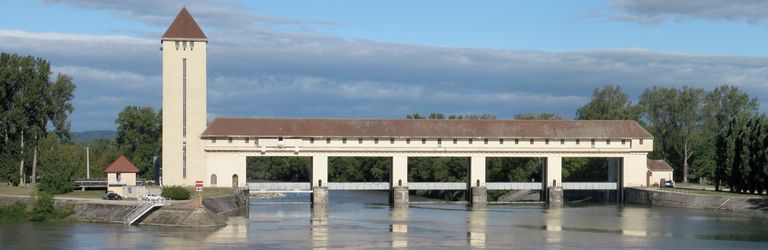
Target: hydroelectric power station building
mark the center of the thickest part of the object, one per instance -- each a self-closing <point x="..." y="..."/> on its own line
<point x="216" y="153"/>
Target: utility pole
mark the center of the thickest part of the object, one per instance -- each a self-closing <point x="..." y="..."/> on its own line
<point x="87" y="162"/>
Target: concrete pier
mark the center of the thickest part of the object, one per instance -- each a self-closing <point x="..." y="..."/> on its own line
<point x="319" y="196"/>
<point x="555" y="196"/>
<point x="399" y="197"/>
<point x="478" y="196"/>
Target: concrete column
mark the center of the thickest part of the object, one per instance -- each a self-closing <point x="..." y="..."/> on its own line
<point x="478" y="194"/>
<point x="632" y="172"/>
<point x="398" y="182"/>
<point x="554" y="181"/>
<point x="319" y="180"/>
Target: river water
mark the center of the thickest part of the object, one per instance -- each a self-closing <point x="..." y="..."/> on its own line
<point x="364" y="220"/>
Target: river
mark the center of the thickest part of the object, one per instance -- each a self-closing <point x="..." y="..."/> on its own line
<point x="364" y="220"/>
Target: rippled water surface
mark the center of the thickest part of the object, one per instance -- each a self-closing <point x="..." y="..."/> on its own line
<point x="364" y="220"/>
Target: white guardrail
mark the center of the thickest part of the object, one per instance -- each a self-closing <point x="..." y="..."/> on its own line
<point x="305" y="187"/>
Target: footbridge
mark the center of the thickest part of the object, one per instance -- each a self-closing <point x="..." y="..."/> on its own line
<point x="229" y="141"/>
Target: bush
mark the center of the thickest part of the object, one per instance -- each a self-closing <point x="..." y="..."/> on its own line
<point x="175" y="193"/>
<point x="43" y="209"/>
<point x="14" y="212"/>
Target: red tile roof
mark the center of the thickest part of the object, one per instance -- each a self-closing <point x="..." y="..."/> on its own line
<point x="122" y="165"/>
<point x="555" y="129"/>
<point x="659" y="165"/>
<point x="184" y="27"/>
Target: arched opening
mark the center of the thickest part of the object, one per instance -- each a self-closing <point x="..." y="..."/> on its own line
<point x="235" y="183"/>
<point x="213" y="179"/>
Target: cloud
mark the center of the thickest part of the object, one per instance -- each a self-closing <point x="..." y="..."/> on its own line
<point x="260" y="72"/>
<point x="222" y="14"/>
<point x="657" y="11"/>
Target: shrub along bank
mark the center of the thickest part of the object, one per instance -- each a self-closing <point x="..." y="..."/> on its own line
<point x="41" y="210"/>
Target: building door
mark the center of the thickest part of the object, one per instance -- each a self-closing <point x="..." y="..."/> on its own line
<point x="234" y="181"/>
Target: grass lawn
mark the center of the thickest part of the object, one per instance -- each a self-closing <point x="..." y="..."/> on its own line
<point x="217" y="191"/>
<point x="5" y="189"/>
<point x="88" y="194"/>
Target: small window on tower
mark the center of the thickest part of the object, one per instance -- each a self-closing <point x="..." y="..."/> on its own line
<point x="311" y="140"/>
<point x="327" y="140"/>
<point x="501" y="141"/>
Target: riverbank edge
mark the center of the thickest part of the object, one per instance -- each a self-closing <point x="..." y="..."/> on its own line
<point x="177" y="214"/>
<point x="655" y="197"/>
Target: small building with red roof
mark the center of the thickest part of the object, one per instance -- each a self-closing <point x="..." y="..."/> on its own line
<point x="121" y="176"/>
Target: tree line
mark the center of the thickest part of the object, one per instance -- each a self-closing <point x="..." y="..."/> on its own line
<point x="35" y="136"/>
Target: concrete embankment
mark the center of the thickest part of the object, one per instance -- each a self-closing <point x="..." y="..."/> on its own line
<point x="177" y="213"/>
<point x="654" y="197"/>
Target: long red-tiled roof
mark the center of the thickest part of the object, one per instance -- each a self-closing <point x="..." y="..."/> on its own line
<point x="184" y="27"/>
<point x="122" y="165"/>
<point x="659" y="165"/>
<point x="560" y="129"/>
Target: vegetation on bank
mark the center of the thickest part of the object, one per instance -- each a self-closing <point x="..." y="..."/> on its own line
<point x="176" y="192"/>
<point x="41" y="210"/>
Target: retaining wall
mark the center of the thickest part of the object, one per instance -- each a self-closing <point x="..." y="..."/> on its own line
<point x="656" y="197"/>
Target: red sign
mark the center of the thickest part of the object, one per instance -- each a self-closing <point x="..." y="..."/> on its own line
<point x="199" y="186"/>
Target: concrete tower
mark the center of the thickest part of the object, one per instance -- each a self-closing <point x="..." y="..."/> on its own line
<point x="184" y="100"/>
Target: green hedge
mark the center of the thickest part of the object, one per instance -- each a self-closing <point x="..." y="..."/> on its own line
<point x="176" y="193"/>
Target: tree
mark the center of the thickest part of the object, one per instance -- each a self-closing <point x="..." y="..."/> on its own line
<point x="30" y="105"/>
<point x="609" y="103"/>
<point x="138" y="136"/>
<point x="58" y="163"/>
<point x="538" y="116"/>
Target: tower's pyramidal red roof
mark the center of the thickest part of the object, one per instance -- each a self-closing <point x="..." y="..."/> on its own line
<point x="184" y="27"/>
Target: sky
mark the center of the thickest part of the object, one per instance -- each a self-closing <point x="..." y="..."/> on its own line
<point x="387" y="59"/>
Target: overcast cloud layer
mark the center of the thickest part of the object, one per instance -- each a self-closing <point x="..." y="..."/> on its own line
<point x="255" y="70"/>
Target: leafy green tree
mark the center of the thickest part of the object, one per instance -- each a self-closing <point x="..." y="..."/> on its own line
<point x="138" y="136"/>
<point x="538" y="116"/>
<point x="58" y="163"/>
<point x="609" y="103"/>
<point x="277" y="168"/>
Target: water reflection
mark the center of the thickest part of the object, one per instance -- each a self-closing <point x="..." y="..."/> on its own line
<point x="553" y="223"/>
<point x="476" y="218"/>
<point x="398" y="217"/>
<point x="319" y="227"/>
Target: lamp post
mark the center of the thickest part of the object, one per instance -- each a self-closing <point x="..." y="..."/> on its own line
<point x="87" y="162"/>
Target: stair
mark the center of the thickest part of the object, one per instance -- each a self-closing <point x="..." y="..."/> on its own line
<point x="140" y="210"/>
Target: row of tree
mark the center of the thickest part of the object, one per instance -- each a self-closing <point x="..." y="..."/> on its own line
<point x="35" y="138"/>
<point x="742" y="154"/>
<point x="32" y="105"/>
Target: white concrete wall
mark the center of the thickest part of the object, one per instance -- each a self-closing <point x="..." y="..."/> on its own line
<point x="319" y="170"/>
<point x="399" y="171"/>
<point x="173" y="138"/>
<point x="655" y="177"/>
<point x="224" y="166"/>
<point x="634" y="170"/>
<point x="554" y="171"/>
<point x="476" y="171"/>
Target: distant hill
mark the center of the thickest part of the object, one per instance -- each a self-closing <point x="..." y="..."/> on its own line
<point x="93" y="134"/>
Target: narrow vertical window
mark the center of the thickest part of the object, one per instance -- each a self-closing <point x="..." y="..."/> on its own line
<point x="470" y="141"/>
<point x="485" y="141"/>
<point x="408" y="141"/>
<point x="546" y="141"/>
<point x="423" y="141"/>
<point x="359" y="140"/>
<point x="623" y="141"/>
<point x="439" y="141"/>
<point x="376" y="140"/>
<point x="327" y="140"/>
<point x="517" y="141"/>
<point x="531" y="141"/>
<point x="562" y="141"/>
<point x="501" y="141"/>
<point x="608" y="141"/>
<point x="311" y="140"/>
<point x="391" y="140"/>
<point x="641" y="141"/>
<point x="344" y="140"/>
<point x="578" y="141"/>
<point x="184" y="97"/>
<point x="247" y="140"/>
<point x="455" y="140"/>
